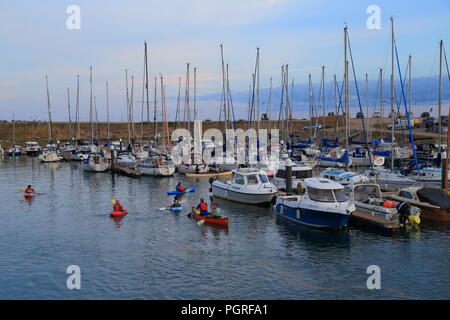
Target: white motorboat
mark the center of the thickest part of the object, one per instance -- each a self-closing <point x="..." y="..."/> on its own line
<point x="427" y="175"/>
<point x="32" y="148"/>
<point x="346" y="178"/>
<point x="126" y="159"/>
<point x="300" y="172"/>
<point x="372" y="208"/>
<point x="321" y="204"/>
<point x="156" y="166"/>
<point x="248" y="185"/>
<point x="96" y="162"/>
<point x="387" y="177"/>
<point x="50" y="155"/>
<point x="15" y="151"/>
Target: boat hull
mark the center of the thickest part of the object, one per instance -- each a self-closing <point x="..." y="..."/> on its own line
<point x="228" y="193"/>
<point x="220" y="222"/>
<point x="312" y="218"/>
<point x="164" y="171"/>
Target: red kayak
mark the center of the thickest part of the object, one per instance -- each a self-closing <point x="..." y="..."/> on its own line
<point x="118" y="213"/>
<point x="223" y="222"/>
<point x="28" y="195"/>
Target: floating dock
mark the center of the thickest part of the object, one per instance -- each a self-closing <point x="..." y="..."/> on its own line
<point x="126" y="171"/>
<point x="377" y="222"/>
<point x="209" y="174"/>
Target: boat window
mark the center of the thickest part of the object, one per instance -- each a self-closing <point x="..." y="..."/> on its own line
<point x="263" y="178"/>
<point x="252" y="179"/>
<point x="239" y="179"/>
<point x="406" y="195"/>
<point x="303" y="174"/>
<point x="340" y="195"/>
<point x="281" y="174"/>
<point x="321" y="195"/>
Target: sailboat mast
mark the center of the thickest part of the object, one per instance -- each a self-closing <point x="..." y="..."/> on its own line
<point x="441" y="46"/>
<point x="310" y="106"/>
<point x="195" y="94"/>
<point x="155" y="124"/>
<point x="70" y="118"/>
<point x="381" y="97"/>
<point x="91" y="116"/>
<point x="107" y="111"/>
<point x="49" y="113"/>
<point x="346" y="82"/>
<point x="225" y="113"/>
<point x="392" y="92"/>
<point x="269" y="102"/>
<point x="128" y="106"/>
<point x="409" y="83"/>
<point x="77" y="116"/>
<point x="146" y="88"/>
<point x="14" y="131"/>
<point x="336" y="107"/>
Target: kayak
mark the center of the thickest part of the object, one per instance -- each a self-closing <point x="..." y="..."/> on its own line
<point x="28" y="195"/>
<point x="176" y="208"/>
<point x="223" y="222"/>
<point x="118" y="213"/>
<point x="185" y="191"/>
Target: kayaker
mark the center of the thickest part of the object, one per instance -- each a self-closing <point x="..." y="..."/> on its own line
<point x="179" y="187"/>
<point x="176" y="202"/>
<point x="29" y="190"/>
<point x="203" y="207"/>
<point x="118" y="206"/>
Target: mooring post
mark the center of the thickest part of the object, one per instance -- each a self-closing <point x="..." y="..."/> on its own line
<point x="288" y="163"/>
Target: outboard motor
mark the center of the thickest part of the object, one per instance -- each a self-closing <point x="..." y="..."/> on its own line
<point x="404" y="211"/>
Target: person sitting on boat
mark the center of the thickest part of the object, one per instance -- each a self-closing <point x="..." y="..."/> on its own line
<point x="118" y="206"/>
<point x="29" y="190"/>
<point x="203" y="207"/>
<point x="215" y="211"/>
<point x="179" y="187"/>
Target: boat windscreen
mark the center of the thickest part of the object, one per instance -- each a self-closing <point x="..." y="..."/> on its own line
<point x="322" y="195"/>
<point x="340" y="195"/>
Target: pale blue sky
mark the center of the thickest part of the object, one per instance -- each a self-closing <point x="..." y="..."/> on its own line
<point x="306" y="34"/>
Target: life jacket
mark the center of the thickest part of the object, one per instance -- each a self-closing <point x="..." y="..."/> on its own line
<point x="118" y="207"/>
<point x="388" y="204"/>
<point x="180" y="189"/>
<point x="203" y="206"/>
<point x="29" y="190"/>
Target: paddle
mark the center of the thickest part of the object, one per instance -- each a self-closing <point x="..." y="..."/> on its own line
<point x="37" y="194"/>
<point x="200" y="222"/>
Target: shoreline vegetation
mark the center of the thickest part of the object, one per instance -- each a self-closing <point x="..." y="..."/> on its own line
<point x="38" y="130"/>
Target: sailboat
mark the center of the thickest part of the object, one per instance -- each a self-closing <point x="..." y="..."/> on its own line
<point x="159" y="163"/>
<point x="50" y="153"/>
<point x="96" y="161"/>
<point x="14" y="150"/>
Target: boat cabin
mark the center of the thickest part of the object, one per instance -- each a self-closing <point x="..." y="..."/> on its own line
<point x="325" y="190"/>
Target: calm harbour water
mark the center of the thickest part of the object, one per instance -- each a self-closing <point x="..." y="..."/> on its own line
<point x="153" y="254"/>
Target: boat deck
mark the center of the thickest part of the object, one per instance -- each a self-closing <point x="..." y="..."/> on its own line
<point x="376" y="221"/>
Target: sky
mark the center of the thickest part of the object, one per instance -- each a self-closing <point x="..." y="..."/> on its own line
<point x="305" y="34"/>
